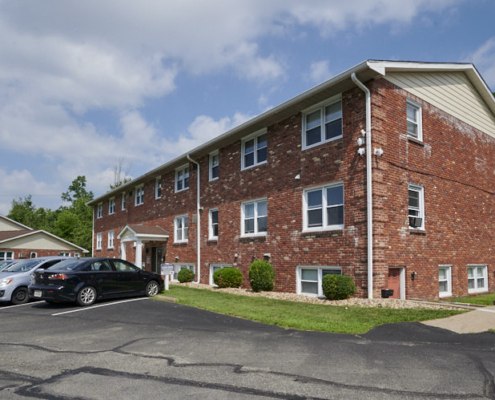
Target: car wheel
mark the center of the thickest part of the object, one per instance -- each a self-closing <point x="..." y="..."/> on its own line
<point x="20" y="296"/>
<point x="86" y="296"/>
<point x="152" y="288"/>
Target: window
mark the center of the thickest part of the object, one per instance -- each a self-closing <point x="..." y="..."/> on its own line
<point x="309" y="279"/>
<point x="178" y="267"/>
<point x="111" y="206"/>
<point x="254" y="150"/>
<point x="414" y="124"/>
<point x="322" y="123"/>
<point x="213" y="225"/>
<point x="99" y="211"/>
<point x="444" y="281"/>
<point x="158" y="187"/>
<point x="254" y="218"/>
<point x="123" y="201"/>
<point x="124" y="266"/>
<point x="182" y="178"/>
<point x="214" y="166"/>
<point x="477" y="278"/>
<point x="324" y="207"/>
<point x="6" y="255"/>
<point x="98" y="241"/>
<point x="139" y="197"/>
<point x="416" y="207"/>
<point x="110" y="239"/>
<point x="34" y="254"/>
<point x="181" y="229"/>
<point x="214" y="268"/>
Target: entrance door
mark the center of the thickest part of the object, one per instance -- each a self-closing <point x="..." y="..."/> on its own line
<point x="394" y="282"/>
<point x="156" y="259"/>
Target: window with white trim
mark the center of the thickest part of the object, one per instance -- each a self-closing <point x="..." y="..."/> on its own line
<point x="158" y="187"/>
<point x="179" y="266"/>
<point x="310" y="278"/>
<point x="99" y="210"/>
<point x="322" y="123"/>
<point x="213" y="224"/>
<point x="214" y="268"/>
<point x="254" y="218"/>
<point x="416" y="209"/>
<point x="324" y="207"/>
<point x="61" y="254"/>
<point x="414" y="120"/>
<point x="182" y="178"/>
<point x="98" y="241"/>
<point x="181" y="229"/>
<point x="6" y="255"/>
<point x="34" y="254"/>
<point x="123" y="201"/>
<point x="254" y="150"/>
<point x="111" y="206"/>
<point x="445" y="281"/>
<point x="477" y="278"/>
<point x="214" y="163"/>
<point x="111" y="237"/>
<point x="139" y="196"/>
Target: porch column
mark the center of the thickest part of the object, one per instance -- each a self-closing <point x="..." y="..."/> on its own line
<point x="139" y="254"/>
<point x="122" y="251"/>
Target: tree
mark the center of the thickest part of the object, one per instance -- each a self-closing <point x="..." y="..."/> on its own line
<point x="25" y="212"/>
<point x="120" y="177"/>
<point x="77" y="190"/>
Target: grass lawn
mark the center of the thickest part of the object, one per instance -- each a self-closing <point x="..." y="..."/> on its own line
<point x="303" y="316"/>
<point x="482" y="299"/>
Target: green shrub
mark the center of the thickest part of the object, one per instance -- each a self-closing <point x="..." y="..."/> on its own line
<point x="338" y="287"/>
<point x="185" y="275"/>
<point x="228" y="277"/>
<point x="261" y="276"/>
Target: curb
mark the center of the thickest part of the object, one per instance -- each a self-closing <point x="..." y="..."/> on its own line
<point x="166" y="298"/>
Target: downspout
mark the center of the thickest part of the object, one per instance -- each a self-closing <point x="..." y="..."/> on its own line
<point x="369" y="189"/>
<point x="93" y="236"/>
<point x="198" y="209"/>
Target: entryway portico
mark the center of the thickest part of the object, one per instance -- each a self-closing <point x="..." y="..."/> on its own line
<point x="140" y="234"/>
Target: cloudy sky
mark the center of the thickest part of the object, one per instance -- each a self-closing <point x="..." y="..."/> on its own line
<point x="86" y="84"/>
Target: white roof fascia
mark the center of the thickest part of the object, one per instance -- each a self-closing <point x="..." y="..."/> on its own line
<point x="47" y="233"/>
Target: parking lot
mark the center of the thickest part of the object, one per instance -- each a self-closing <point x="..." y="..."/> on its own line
<point x="144" y="348"/>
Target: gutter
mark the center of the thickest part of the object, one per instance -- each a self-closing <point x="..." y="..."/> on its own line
<point x="198" y="209"/>
<point x="369" y="189"/>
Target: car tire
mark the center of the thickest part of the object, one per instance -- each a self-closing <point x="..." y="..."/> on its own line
<point x="86" y="296"/>
<point x="152" y="288"/>
<point x="20" y="296"/>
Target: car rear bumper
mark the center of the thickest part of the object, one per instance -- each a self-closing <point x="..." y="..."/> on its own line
<point x="54" y="293"/>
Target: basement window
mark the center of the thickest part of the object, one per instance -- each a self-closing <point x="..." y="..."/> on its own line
<point x="310" y="278"/>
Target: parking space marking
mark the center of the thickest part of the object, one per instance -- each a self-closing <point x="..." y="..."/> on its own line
<point x="98" y="306"/>
<point x="18" y="305"/>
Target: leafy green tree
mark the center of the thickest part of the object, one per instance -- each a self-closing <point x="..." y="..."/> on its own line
<point x="25" y="212"/>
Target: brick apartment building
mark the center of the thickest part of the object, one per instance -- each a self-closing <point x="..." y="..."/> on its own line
<point x="384" y="173"/>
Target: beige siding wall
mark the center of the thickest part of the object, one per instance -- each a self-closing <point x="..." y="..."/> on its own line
<point x="451" y="92"/>
<point x="38" y="241"/>
<point x="6" y="225"/>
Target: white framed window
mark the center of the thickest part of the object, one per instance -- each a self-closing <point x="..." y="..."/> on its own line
<point x="77" y="254"/>
<point x="214" y="163"/>
<point x="310" y="278"/>
<point x="98" y="241"/>
<point x="477" y="278"/>
<point x="62" y="254"/>
<point x="254" y="149"/>
<point x="445" y="281"/>
<point x="414" y="120"/>
<point x="6" y="255"/>
<point x="139" y="196"/>
<point x="182" y="178"/>
<point x="179" y="266"/>
<point x="416" y="207"/>
<point x="111" y="206"/>
<point x="322" y="123"/>
<point x="181" y="229"/>
<point x="323" y="207"/>
<point x="254" y="218"/>
<point x="34" y="254"/>
<point x="213" y="224"/>
<point x="158" y="187"/>
<point x="99" y="210"/>
<point x="111" y="237"/>
<point x="214" y="268"/>
<point x="123" y="201"/>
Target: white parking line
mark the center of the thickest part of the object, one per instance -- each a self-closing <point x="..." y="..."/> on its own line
<point x="100" y="305"/>
<point x="18" y="305"/>
<point x="482" y="309"/>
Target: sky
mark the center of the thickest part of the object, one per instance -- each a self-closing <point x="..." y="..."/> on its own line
<point x="88" y="85"/>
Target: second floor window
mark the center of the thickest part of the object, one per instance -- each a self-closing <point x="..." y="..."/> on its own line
<point x="214" y="166"/>
<point x="182" y="179"/>
<point x="254" y="218"/>
<point x="123" y="201"/>
<point x="414" y="125"/>
<point x="158" y="188"/>
<point x="139" y="199"/>
<point x="111" y="206"/>
<point x="99" y="211"/>
<point x="254" y="150"/>
<point x="322" y="124"/>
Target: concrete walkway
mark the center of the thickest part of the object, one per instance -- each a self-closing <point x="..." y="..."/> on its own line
<point x="478" y="320"/>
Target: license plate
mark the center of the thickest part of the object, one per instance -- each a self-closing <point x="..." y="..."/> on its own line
<point x="38" y="293"/>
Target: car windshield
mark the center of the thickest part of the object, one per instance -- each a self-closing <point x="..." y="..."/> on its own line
<point x="66" y="265"/>
<point x="23" y="266"/>
<point x="4" y="264"/>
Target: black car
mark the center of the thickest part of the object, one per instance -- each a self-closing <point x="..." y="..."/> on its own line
<point x="85" y="280"/>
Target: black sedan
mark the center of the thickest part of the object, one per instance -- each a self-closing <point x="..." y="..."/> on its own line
<point x="85" y="280"/>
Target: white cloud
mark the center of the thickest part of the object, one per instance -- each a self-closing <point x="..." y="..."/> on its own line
<point x="484" y="59"/>
<point x="319" y="72"/>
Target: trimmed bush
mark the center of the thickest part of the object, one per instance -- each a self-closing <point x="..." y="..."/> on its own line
<point x="229" y="277"/>
<point x="338" y="287"/>
<point x="185" y="275"/>
<point x="261" y="276"/>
